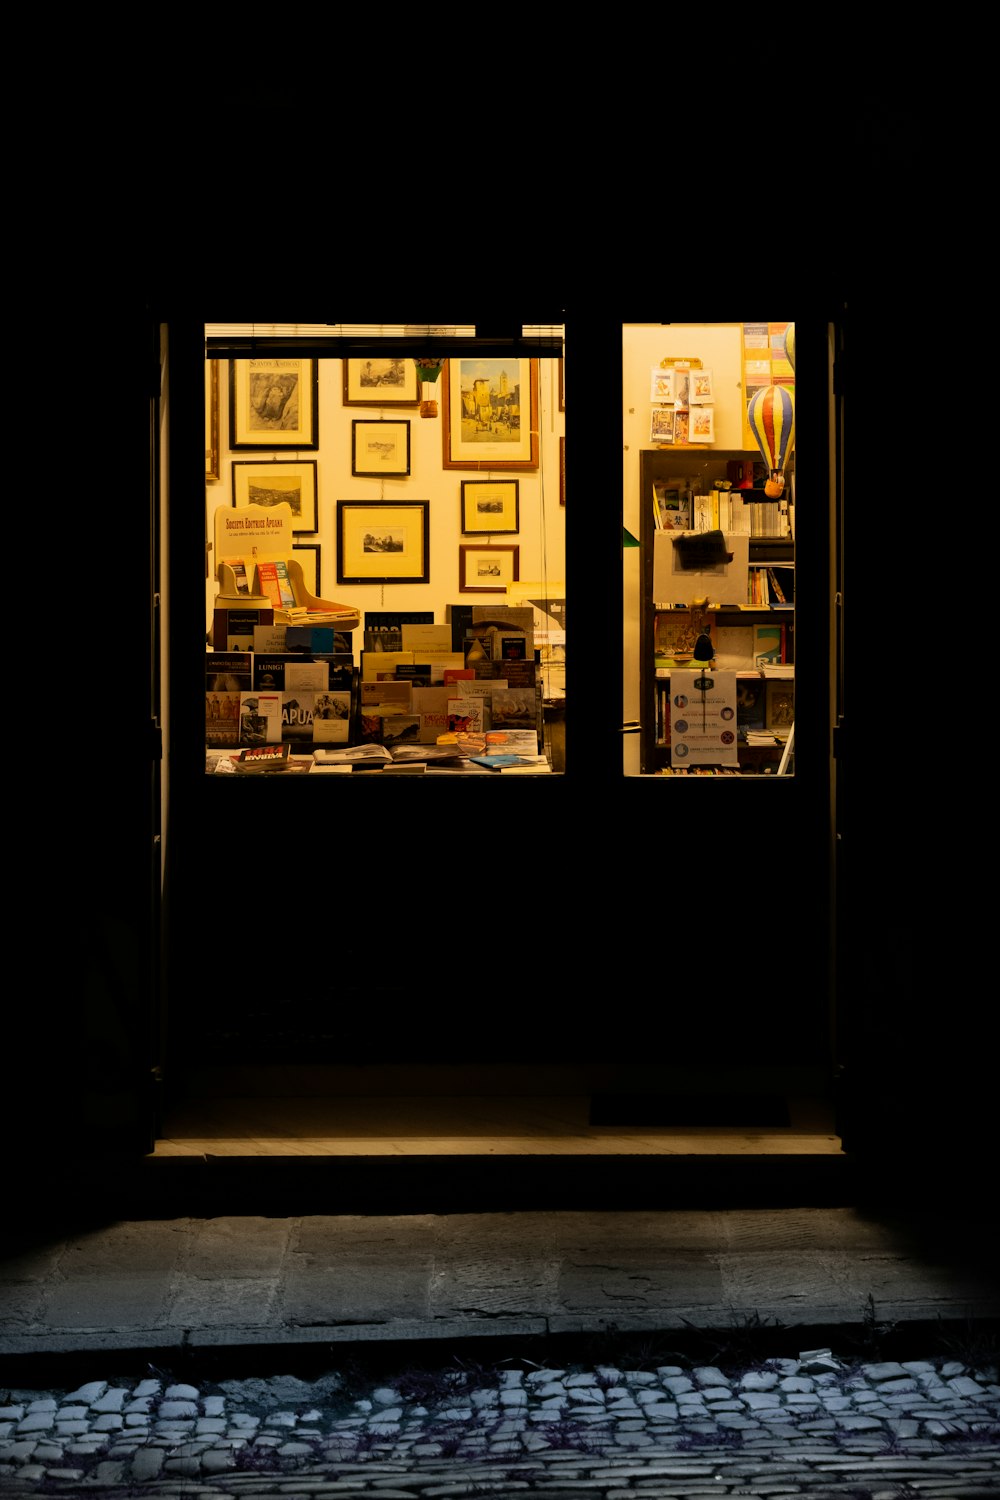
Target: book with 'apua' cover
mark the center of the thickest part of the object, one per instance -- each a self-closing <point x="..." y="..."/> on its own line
<point x="297" y="715"/>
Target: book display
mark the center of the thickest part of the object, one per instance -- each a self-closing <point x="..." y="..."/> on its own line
<point x="282" y="682"/>
<point x="718" y="624"/>
<point x="312" y="702"/>
<point x="281" y="677"/>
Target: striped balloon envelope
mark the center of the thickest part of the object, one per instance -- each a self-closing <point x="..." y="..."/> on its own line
<point x="771" y="415"/>
<point x="790" y="344"/>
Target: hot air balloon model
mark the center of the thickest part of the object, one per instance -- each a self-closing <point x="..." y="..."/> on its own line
<point x="771" y="415"/>
<point x="790" y="344"/>
<point x="428" y="371"/>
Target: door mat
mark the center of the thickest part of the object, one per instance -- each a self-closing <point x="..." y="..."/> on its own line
<point x="688" y="1109"/>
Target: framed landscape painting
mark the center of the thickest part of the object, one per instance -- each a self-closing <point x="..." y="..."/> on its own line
<point x="380" y="382"/>
<point x="273" y="403"/>
<point x="490" y="505"/>
<point x="380" y="448"/>
<point x="488" y="570"/>
<point x="489" y="410"/>
<point x="270" y="481"/>
<point x="384" y="541"/>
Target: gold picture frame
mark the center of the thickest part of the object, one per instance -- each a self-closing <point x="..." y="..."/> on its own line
<point x="490" y="505"/>
<point x="380" y="449"/>
<point x="213" y="462"/>
<point x="489" y="414"/>
<point x="384" y="541"/>
<point x="273" y="403"/>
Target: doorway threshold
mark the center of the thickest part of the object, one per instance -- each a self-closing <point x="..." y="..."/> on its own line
<point x="512" y="1126"/>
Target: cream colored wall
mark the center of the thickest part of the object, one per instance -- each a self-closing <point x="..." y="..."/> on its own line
<point x="541" y="538"/>
<point x="719" y="347"/>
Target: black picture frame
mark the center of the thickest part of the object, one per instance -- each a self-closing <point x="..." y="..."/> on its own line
<point x="490" y="506"/>
<point x="288" y="421"/>
<point x="268" y="481"/>
<point x="380" y="448"/>
<point x="383" y="541"/>
<point x="311" y="567"/>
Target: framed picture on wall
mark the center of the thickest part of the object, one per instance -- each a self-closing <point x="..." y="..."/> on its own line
<point x="383" y="541"/>
<point x="489" y="413"/>
<point x="273" y="403"/>
<point x="270" y="481"/>
<point x="212" y="448"/>
<point x="380" y="382"/>
<point x="490" y="505"/>
<point x="488" y="570"/>
<point x="380" y="449"/>
<point x="308" y="554"/>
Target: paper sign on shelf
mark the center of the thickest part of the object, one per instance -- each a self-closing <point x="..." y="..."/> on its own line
<point x="703" y="718"/>
<point x="253" y="531"/>
<point x="724" y="583"/>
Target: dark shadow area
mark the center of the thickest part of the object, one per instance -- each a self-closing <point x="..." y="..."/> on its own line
<point x="697" y="1109"/>
<point x="743" y="1343"/>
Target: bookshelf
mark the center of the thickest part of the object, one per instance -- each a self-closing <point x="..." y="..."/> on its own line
<point x="674" y="466"/>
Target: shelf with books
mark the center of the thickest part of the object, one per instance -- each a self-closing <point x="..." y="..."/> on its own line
<point x="753" y="639"/>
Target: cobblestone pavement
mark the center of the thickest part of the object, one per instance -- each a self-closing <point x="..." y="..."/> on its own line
<point x="819" y="1424"/>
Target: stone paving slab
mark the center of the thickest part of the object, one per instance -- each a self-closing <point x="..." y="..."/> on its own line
<point x="161" y="1283"/>
<point x="817" y="1424"/>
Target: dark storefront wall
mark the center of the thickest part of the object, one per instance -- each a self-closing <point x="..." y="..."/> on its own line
<point x="910" y="1013"/>
<point x="913" y="915"/>
<point x="354" y="953"/>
